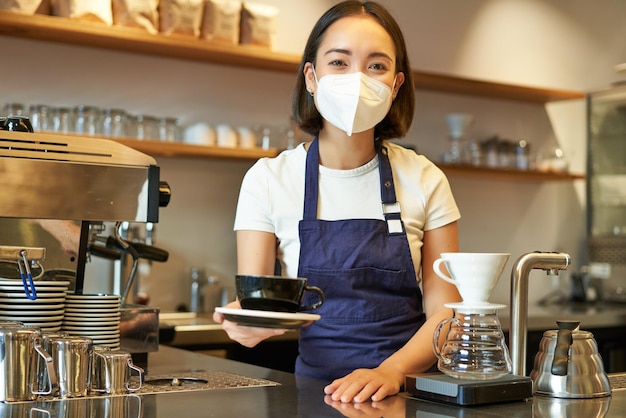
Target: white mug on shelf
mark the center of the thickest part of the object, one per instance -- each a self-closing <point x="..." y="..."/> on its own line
<point x="226" y="136"/>
<point x="200" y="134"/>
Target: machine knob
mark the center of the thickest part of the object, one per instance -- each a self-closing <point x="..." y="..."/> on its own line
<point x="16" y="124"/>
<point x="165" y="194"/>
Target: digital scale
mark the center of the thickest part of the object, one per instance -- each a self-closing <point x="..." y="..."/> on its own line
<point x="443" y="388"/>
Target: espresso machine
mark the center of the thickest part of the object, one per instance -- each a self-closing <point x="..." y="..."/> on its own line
<point x="90" y="181"/>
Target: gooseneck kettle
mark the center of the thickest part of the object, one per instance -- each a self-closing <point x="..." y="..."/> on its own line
<point x="568" y="364"/>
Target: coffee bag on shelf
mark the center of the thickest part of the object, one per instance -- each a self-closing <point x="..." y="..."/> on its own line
<point x="84" y="10"/>
<point x="27" y="7"/>
<point x="180" y="17"/>
<point x="221" y="20"/>
<point x="259" y="23"/>
<point x="142" y="14"/>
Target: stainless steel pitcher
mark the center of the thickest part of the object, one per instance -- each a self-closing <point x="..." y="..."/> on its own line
<point x="20" y="347"/>
<point x="72" y="361"/>
<point x="568" y="364"/>
<point x="111" y="372"/>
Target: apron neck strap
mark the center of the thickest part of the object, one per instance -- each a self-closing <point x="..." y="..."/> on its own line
<point x="311" y="179"/>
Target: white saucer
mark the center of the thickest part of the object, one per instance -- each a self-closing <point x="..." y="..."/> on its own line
<point x="94" y="334"/>
<point x="37" y="318"/>
<point x="111" y="343"/>
<point x="29" y="314"/>
<point x="92" y="296"/>
<point x="18" y="283"/>
<point x="71" y="323"/>
<point x="29" y="307"/>
<point x="103" y="328"/>
<point x="50" y="329"/>
<point x="23" y="300"/>
<point x="88" y="302"/>
<point x="95" y="309"/>
<point x="267" y="319"/>
<point x="474" y="307"/>
<point x="40" y="286"/>
<point x="92" y="299"/>
<point x="92" y="306"/>
<point x="19" y="296"/>
<point x="82" y="318"/>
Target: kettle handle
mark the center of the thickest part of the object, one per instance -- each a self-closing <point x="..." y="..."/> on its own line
<point x="564" y="340"/>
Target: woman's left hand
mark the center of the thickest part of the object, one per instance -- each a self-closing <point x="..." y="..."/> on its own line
<point x="365" y="384"/>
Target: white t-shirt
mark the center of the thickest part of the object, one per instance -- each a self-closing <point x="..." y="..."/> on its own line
<point x="272" y="198"/>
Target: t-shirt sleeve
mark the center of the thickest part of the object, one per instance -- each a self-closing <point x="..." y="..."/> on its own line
<point x="441" y="208"/>
<point x="253" y="205"/>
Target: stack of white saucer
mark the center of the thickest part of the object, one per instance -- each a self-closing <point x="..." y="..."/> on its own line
<point x="45" y="312"/>
<point x="96" y="316"/>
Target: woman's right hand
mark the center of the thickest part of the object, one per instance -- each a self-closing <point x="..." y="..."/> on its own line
<point x="246" y="336"/>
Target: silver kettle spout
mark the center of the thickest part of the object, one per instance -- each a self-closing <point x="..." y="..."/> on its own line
<point x="551" y="262"/>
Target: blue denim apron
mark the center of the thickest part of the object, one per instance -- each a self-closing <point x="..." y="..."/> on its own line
<point x="364" y="266"/>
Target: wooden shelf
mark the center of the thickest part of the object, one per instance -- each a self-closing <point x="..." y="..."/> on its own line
<point x="169" y="149"/>
<point x="486" y="173"/>
<point x="118" y="38"/>
<point x="56" y="29"/>
<point x="177" y="149"/>
<point x="457" y="85"/>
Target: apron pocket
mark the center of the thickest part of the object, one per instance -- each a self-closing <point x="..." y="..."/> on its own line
<point x="363" y="294"/>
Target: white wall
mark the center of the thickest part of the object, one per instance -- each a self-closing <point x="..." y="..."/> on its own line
<point x="568" y="44"/>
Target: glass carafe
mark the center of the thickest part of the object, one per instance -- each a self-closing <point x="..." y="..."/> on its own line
<point x="474" y="347"/>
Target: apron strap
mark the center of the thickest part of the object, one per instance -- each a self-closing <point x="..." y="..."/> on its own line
<point x="391" y="207"/>
<point x="311" y="181"/>
<point x="387" y="188"/>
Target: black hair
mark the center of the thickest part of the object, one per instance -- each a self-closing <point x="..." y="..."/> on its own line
<point x="398" y="120"/>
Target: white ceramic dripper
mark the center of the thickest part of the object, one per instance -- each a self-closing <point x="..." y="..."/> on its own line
<point x="474" y="274"/>
<point x="457" y="125"/>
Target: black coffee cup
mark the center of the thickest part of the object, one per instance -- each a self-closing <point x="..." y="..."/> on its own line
<point x="275" y="293"/>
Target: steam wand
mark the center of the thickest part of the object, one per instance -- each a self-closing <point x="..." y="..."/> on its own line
<point x="126" y="247"/>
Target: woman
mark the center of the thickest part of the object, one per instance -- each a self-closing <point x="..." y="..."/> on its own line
<point x="317" y="209"/>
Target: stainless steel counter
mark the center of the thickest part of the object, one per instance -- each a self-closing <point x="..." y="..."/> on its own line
<point x="292" y="397"/>
<point x="590" y="315"/>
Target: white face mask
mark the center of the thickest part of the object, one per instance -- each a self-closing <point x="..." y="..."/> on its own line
<point x="352" y="102"/>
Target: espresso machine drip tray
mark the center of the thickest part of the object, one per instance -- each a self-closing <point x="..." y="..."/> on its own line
<point x="465" y="392"/>
<point x="199" y="380"/>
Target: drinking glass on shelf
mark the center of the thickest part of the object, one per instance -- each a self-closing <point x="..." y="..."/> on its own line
<point x="87" y="120"/>
<point x="169" y="130"/>
<point x="147" y="127"/>
<point x="13" y="109"/>
<point x="39" y="117"/>
<point x="114" y="123"/>
<point x="62" y="120"/>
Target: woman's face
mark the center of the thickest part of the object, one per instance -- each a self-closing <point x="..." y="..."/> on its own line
<point x="355" y="44"/>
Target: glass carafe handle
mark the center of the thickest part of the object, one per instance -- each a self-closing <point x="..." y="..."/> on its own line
<point x="436" y="335"/>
